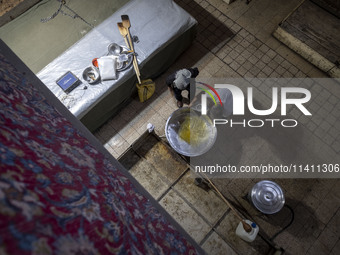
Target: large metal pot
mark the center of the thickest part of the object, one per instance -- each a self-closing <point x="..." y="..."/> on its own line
<point x="173" y="126"/>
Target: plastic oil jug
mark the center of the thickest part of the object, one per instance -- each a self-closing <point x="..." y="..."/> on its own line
<point x="247" y="236"/>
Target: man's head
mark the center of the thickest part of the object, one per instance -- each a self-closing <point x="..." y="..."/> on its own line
<point x="182" y="79"/>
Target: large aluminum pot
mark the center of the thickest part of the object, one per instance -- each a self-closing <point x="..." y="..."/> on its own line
<point x="203" y="136"/>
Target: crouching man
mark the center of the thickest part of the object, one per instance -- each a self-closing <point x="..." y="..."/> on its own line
<point x="180" y="81"/>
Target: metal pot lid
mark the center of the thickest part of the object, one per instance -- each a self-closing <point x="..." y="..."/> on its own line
<point x="267" y="197"/>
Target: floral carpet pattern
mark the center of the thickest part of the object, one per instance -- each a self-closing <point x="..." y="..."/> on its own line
<point x="59" y="195"/>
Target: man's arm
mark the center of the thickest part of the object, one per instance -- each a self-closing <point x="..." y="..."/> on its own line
<point x="170" y="79"/>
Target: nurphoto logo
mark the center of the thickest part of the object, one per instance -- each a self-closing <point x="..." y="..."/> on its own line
<point x="299" y="98"/>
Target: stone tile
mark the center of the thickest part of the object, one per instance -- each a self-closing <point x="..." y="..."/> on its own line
<point x="311" y="202"/>
<point x="264" y="48"/>
<point x="312" y="227"/>
<point x="139" y="124"/>
<point x="236" y="28"/>
<point x="111" y="150"/>
<point x="274" y="75"/>
<point x="328" y="238"/>
<point x="252" y="49"/>
<point x="336" y="146"/>
<point x="210" y="206"/>
<point x="246" y="54"/>
<point x="328" y="139"/>
<point x="285" y="240"/>
<point x="273" y="43"/>
<point x="159" y="124"/>
<point x="328" y="107"/>
<point x="293" y="70"/>
<point x="280" y="70"/>
<point x="258" y="54"/>
<point x="234" y="54"/>
<point x="234" y="65"/>
<point x="324" y="214"/>
<point x="245" y="43"/>
<point x="229" y="23"/>
<point x="260" y="64"/>
<point x="318" y="249"/>
<point x="288" y="74"/>
<point x="317" y="73"/>
<point x="257" y="44"/>
<point x="242" y="70"/>
<point x="255" y="70"/>
<point x="261" y="75"/>
<point x="106" y="132"/>
<point x="325" y="126"/>
<point x="333" y="99"/>
<point x="127" y="131"/>
<point x="149" y="178"/>
<point x="122" y="147"/>
<point x="239" y="48"/>
<point x="116" y="142"/>
<point x="321" y="189"/>
<point x="278" y="59"/>
<point x="163" y="159"/>
<point x="244" y="33"/>
<point x="240" y="59"/>
<point x="174" y="204"/>
<point x="228" y="60"/>
<point x="247" y="65"/>
<point x="285" y="64"/>
<point x="158" y="102"/>
<point x="273" y="64"/>
<point x="267" y="70"/>
<point x="215" y="245"/>
<point x="99" y="138"/>
<point x="296" y="247"/>
<point x="220" y="73"/>
<point x="253" y="59"/>
<point x="270" y="53"/>
<point x="228" y="72"/>
<point x="126" y="114"/>
<point x="266" y="59"/>
<point x="132" y="137"/>
<point x="250" y="38"/>
<point x="221" y="54"/>
<point x="165" y="111"/>
<point x="303" y="214"/>
<point x="334" y="223"/>
<point x="336" y="248"/>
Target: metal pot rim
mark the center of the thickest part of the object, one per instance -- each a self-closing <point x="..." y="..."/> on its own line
<point x="181" y="151"/>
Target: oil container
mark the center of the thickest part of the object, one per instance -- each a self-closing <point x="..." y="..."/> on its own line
<point x="247" y="236"/>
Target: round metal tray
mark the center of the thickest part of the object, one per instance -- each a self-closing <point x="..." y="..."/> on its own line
<point x="91" y="75"/>
<point x="172" y="128"/>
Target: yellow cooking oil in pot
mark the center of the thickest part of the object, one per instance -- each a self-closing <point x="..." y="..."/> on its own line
<point x="193" y="130"/>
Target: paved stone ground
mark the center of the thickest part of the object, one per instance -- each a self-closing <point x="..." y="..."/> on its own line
<point x="235" y="41"/>
<point x="7" y="5"/>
